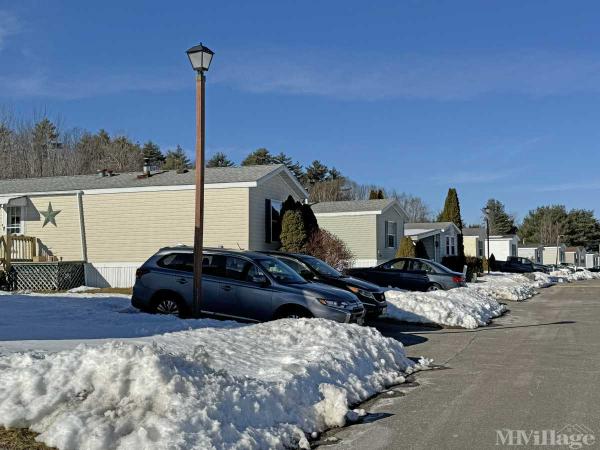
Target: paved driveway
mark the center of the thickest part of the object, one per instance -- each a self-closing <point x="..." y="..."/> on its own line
<point x="537" y="368"/>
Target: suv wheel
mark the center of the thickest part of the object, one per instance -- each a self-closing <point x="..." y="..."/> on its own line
<point x="168" y="304"/>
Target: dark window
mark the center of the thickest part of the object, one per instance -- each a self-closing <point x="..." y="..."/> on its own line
<point x="296" y="265"/>
<point x="420" y="265"/>
<point x="401" y="264"/>
<point x="237" y="268"/>
<point x="178" y="261"/>
<point x="272" y="220"/>
<point x="214" y="265"/>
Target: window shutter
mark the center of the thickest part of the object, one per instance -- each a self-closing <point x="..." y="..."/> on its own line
<point x="387" y="225"/>
<point x="267" y="220"/>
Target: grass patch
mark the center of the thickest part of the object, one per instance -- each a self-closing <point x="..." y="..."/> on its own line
<point x="20" y="439"/>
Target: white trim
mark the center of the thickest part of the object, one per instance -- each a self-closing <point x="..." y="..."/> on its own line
<point x="423" y="235"/>
<point x="348" y="213"/>
<point x="399" y="209"/>
<point x="284" y="169"/>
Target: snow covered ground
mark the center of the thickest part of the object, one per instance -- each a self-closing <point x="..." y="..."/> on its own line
<point x="89" y="372"/>
<point x="468" y="307"/>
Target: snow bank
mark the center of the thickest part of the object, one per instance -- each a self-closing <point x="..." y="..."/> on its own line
<point x="462" y="307"/>
<point x="220" y="385"/>
<point x="581" y="274"/>
<point x="506" y="286"/>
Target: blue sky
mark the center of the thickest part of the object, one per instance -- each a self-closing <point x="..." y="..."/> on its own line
<point x="498" y="99"/>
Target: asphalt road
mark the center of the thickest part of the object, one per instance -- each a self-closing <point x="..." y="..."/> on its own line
<point x="537" y="368"/>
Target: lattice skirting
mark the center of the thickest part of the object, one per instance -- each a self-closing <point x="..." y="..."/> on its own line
<point x="48" y="276"/>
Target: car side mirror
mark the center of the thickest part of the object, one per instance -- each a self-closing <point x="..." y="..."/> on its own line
<point x="259" y="279"/>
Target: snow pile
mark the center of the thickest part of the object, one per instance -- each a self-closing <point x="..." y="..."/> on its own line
<point x="579" y="275"/>
<point x="461" y="307"/>
<point x="258" y="386"/>
<point x="543" y="280"/>
<point x="506" y="286"/>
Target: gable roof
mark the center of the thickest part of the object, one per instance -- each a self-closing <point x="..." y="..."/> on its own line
<point x="429" y="226"/>
<point x="127" y="180"/>
<point x="574" y="249"/>
<point x="356" y="206"/>
<point x="473" y="231"/>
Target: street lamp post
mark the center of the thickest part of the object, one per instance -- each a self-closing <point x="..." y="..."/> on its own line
<point x="557" y="249"/>
<point x="487" y="233"/>
<point x="200" y="58"/>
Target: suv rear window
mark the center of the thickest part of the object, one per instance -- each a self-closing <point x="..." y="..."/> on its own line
<point x="178" y="261"/>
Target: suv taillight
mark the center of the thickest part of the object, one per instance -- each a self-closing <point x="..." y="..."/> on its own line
<point x="458" y="279"/>
<point x="140" y="272"/>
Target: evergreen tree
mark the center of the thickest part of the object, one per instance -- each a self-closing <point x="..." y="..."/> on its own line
<point x="176" y="160"/>
<point x="334" y="174"/>
<point x="259" y="157"/>
<point x="406" y="248"/>
<point x="317" y="173"/>
<point x="500" y="222"/>
<point x="292" y="166"/>
<point x="582" y="229"/>
<point x="310" y="220"/>
<point x="376" y="194"/>
<point x="219" y="159"/>
<point x="451" y="213"/>
<point x="151" y="151"/>
<point x="293" y="235"/>
<point x="420" y="250"/>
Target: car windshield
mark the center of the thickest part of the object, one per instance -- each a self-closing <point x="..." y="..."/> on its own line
<point x="321" y="267"/>
<point x="281" y="272"/>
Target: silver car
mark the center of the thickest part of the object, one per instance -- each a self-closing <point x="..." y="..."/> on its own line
<point x="237" y="285"/>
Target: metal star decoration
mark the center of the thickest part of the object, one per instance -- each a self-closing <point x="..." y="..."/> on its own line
<point x="49" y="215"/>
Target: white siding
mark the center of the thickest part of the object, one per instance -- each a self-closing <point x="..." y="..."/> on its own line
<point x="358" y="232"/>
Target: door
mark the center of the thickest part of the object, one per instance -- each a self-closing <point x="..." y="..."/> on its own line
<point x="404" y="277"/>
<point x="221" y="300"/>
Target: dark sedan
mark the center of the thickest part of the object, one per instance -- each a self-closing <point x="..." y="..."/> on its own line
<point x="314" y="269"/>
<point x="413" y="274"/>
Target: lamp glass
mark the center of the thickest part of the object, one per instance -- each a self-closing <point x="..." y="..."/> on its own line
<point x="200" y="57"/>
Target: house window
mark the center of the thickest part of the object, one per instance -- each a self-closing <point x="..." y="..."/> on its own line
<point x="450" y="245"/>
<point x="390" y="234"/>
<point x="13" y="220"/>
<point x="480" y="249"/>
<point x="272" y="220"/>
<point x="514" y="250"/>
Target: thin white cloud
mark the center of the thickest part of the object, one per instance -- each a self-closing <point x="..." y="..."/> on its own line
<point x="39" y="85"/>
<point x="476" y="175"/>
<point x="9" y="25"/>
<point x="364" y="76"/>
<point x="561" y="187"/>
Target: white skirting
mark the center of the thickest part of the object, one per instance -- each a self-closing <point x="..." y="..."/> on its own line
<point x="118" y="274"/>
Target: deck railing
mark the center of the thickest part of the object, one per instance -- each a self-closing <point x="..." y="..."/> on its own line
<point x="17" y="248"/>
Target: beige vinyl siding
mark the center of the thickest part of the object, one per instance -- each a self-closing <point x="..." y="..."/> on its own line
<point x="359" y="232"/>
<point x="470" y="245"/>
<point x="276" y="188"/>
<point x="131" y="226"/>
<point x="62" y="240"/>
<point x="385" y="253"/>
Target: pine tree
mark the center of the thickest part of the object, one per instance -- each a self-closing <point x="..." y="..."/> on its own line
<point x="293" y="235"/>
<point x="420" y="250"/>
<point x="451" y="213"/>
<point x="373" y="194"/>
<point x="582" y="229"/>
<point x="259" y="157"/>
<point x="500" y="222"/>
<point x="219" y="159"/>
<point x="317" y="173"/>
<point x="152" y="151"/>
<point x="406" y="248"/>
<point x="176" y="160"/>
<point x="292" y="166"/>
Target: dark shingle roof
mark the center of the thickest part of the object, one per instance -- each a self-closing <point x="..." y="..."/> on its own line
<point x="130" y="180"/>
<point x="473" y="231"/>
<point x="351" y="206"/>
<point x="427" y="225"/>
